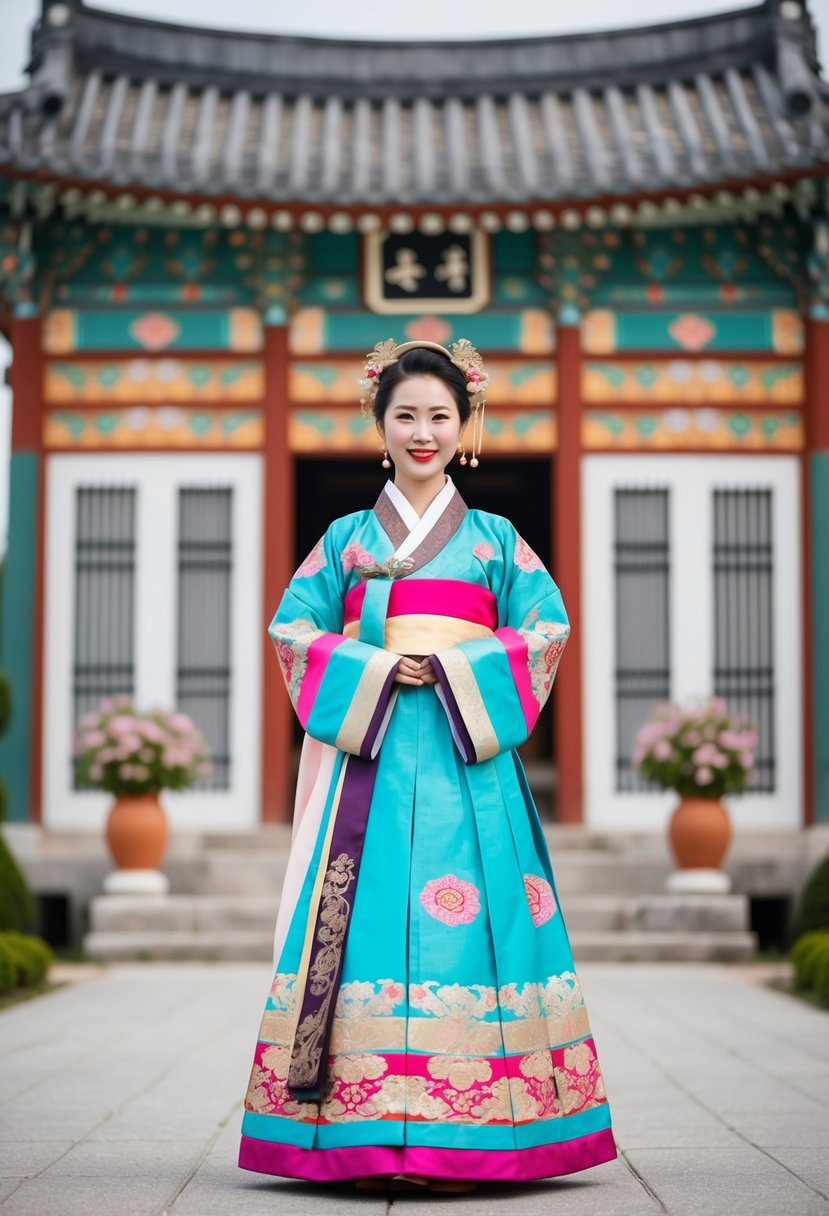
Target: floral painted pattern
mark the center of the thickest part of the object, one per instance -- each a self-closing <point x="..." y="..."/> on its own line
<point x="483" y="551"/>
<point x="291" y="646"/>
<point x="506" y="1091"/>
<point x="545" y="644"/>
<point x="540" y="899"/>
<point x="525" y="558"/>
<point x="355" y="555"/>
<point x="451" y="900"/>
<point x="314" y="562"/>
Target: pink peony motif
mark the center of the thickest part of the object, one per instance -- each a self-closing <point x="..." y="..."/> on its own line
<point x="314" y="562"/>
<point x="355" y="555"/>
<point x="524" y="557"/>
<point x="691" y="331"/>
<point x="484" y="551"/>
<point x="451" y="900"/>
<point x="154" y="330"/>
<point x="540" y="898"/>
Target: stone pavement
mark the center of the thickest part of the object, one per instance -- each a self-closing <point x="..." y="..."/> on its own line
<point x="121" y="1096"/>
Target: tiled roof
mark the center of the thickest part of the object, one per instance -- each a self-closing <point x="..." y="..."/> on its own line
<point x="131" y="102"/>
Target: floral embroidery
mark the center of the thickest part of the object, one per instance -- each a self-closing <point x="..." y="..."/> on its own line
<point x="292" y="640"/>
<point x="314" y="562"/>
<point x="540" y="898"/>
<point x="545" y="644"/>
<point x="484" y="551"/>
<point x="451" y="900"/>
<point x="525" y="558"/>
<point x="355" y="555"/>
<point x="580" y="1083"/>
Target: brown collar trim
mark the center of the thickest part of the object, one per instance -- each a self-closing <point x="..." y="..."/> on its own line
<point x="438" y="538"/>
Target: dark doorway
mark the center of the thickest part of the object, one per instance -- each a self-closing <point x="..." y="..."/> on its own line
<point x="520" y="490"/>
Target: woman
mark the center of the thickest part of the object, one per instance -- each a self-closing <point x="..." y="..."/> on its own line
<point x="424" y="1020"/>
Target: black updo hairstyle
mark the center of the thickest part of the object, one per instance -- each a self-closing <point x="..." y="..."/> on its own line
<point x="421" y="361"/>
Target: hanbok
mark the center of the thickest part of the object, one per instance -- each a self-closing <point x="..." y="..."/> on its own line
<point x="425" y="1016"/>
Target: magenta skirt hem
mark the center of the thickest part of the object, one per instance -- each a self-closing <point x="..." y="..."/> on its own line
<point x="478" y="1165"/>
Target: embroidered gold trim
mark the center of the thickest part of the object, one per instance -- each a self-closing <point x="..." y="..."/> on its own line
<point x="364" y="702"/>
<point x="306" y="1055"/>
<point x="470" y="703"/>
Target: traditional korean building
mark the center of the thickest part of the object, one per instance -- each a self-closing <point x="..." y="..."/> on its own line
<point x="202" y="233"/>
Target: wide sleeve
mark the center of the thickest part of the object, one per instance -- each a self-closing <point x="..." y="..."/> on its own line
<point x="342" y="689"/>
<point x="494" y="688"/>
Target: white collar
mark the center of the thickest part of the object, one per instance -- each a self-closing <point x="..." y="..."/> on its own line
<point x="419" y="526"/>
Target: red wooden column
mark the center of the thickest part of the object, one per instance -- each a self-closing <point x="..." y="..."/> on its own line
<point x="815" y="579"/>
<point x="24" y="606"/>
<point x="567" y="573"/>
<point x="278" y="533"/>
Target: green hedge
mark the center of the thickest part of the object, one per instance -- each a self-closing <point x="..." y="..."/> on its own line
<point x="813" y="908"/>
<point x="16" y="910"/>
<point x="24" y="961"/>
<point x="810" y="956"/>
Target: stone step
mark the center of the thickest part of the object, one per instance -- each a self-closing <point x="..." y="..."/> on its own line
<point x="176" y="944"/>
<point x="632" y="946"/>
<point x="588" y="946"/>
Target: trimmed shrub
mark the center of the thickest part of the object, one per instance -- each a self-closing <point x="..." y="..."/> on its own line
<point x="8" y="970"/>
<point x="806" y="953"/>
<point x="16" y="910"/>
<point x="30" y="955"/>
<point x="820" y="987"/>
<point x="813" y="909"/>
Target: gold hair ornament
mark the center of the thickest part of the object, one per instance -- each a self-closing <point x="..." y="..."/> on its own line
<point x="464" y="356"/>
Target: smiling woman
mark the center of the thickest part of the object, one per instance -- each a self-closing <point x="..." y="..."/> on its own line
<point x="425" y="1020"/>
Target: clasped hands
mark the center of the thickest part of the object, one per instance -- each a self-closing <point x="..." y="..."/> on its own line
<point x="415" y="671"/>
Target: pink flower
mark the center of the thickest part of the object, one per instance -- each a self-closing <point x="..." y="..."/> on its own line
<point x="355" y="555"/>
<point x="451" y="900"/>
<point x="746" y="759"/>
<point x="96" y="771"/>
<point x="122" y="724"/>
<point x="525" y="558"/>
<point x="704" y="776"/>
<point x="314" y="562"/>
<point x="540" y="898"/>
<point x="180" y="722"/>
<point x="125" y="771"/>
<point x="662" y="750"/>
<point x="483" y="551"/>
<point x="93" y="738"/>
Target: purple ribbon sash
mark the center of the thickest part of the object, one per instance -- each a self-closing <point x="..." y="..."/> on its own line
<point x="309" y="1054"/>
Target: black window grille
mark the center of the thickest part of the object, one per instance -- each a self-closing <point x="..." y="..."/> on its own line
<point x="743" y="566"/>
<point x="203" y="669"/>
<point x="104" y="642"/>
<point x="642" y="673"/>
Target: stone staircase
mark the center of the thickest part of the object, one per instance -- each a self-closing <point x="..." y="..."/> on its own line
<point x="611" y="890"/>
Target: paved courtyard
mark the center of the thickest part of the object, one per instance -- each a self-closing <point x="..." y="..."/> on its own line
<point x="122" y="1095"/>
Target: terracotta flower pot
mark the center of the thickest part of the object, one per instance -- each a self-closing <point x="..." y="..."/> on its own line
<point x="137" y="832"/>
<point x="700" y="833"/>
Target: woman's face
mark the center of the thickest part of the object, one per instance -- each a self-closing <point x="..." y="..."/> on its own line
<point x="421" y="427"/>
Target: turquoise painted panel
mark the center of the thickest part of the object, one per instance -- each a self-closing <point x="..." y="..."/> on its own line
<point x="610" y="293"/>
<point x="696" y="332"/>
<point x="330" y="254"/>
<point x="107" y="329"/>
<point x="17" y="635"/>
<point x="515" y="253"/>
<point x="330" y="291"/>
<point x="819" y="514"/>
<point x="151" y="293"/>
<point x="348" y="331"/>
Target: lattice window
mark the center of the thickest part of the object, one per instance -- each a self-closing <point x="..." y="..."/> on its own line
<point x="642" y="672"/>
<point x="204" y="661"/>
<point x="743" y="570"/>
<point x="103" y="661"/>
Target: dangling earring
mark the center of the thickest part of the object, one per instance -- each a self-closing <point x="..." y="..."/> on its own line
<point x="385" y="462"/>
<point x="462" y="451"/>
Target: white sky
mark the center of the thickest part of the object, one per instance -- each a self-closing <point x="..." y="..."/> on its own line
<point x="363" y="19"/>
